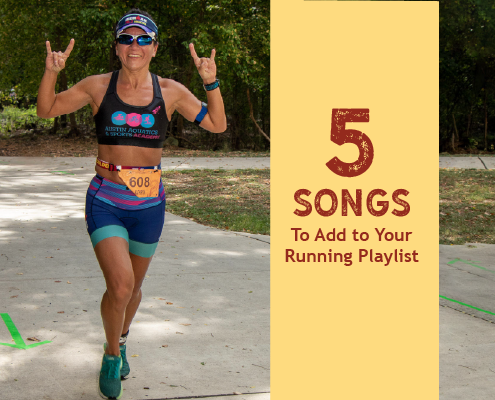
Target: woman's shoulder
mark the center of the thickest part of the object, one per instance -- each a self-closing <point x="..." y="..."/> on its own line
<point x="169" y="84"/>
<point x="96" y="82"/>
<point x="98" y="79"/>
<point x="95" y="85"/>
<point x="172" y="90"/>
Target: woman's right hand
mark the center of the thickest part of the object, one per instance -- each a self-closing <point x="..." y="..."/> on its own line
<point x="55" y="61"/>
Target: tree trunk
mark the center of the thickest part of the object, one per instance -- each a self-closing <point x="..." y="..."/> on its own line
<point x="455" y="128"/>
<point x="251" y="114"/>
<point x="111" y="58"/>
<point x="55" y="126"/>
<point x="234" y="130"/>
<point x="486" y="123"/>
<point x="73" y="124"/>
<point x="469" y="122"/>
<point x="180" y="126"/>
<point x="265" y="112"/>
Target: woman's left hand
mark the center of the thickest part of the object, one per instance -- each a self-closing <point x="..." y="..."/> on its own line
<point x="206" y="66"/>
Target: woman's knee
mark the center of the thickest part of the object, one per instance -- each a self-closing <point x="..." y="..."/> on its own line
<point x="122" y="291"/>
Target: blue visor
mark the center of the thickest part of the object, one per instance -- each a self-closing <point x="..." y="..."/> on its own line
<point x="140" y="21"/>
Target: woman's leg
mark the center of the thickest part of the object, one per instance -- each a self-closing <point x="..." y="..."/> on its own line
<point x="113" y="255"/>
<point x="140" y="267"/>
<point x="143" y="239"/>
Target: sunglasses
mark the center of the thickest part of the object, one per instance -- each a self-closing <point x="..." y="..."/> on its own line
<point x="142" y="40"/>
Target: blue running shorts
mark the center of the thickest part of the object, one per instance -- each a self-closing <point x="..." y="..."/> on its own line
<point x="113" y="210"/>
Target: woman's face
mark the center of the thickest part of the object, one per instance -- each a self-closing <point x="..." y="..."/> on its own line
<point x="133" y="56"/>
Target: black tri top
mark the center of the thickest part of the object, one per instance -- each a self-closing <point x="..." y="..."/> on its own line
<point x="119" y="123"/>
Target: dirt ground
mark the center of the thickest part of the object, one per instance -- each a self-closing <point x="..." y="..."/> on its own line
<point x="32" y="145"/>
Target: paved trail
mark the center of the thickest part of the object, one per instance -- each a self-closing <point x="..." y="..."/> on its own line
<point x="467" y="334"/>
<point x="203" y="325"/>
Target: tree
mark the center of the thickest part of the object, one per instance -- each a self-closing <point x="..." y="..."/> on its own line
<point x="467" y="67"/>
<point x="239" y="30"/>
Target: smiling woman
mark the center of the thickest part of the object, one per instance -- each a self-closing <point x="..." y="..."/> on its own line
<point x="125" y="203"/>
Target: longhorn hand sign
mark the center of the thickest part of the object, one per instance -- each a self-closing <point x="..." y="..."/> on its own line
<point x="55" y="60"/>
<point x="206" y="66"/>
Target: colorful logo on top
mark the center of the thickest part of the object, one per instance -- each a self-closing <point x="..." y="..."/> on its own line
<point x="133" y="119"/>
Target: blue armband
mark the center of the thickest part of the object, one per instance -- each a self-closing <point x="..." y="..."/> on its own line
<point x="202" y="113"/>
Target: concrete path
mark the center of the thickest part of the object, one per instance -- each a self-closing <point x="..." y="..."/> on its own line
<point x="474" y="162"/>
<point x="203" y="325"/>
<point x="86" y="165"/>
<point x="467" y="335"/>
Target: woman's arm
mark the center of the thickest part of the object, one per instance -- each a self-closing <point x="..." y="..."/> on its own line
<point x="51" y="105"/>
<point x="189" y="106"/>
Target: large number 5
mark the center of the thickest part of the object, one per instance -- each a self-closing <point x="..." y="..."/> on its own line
<point x="340" y="136"/>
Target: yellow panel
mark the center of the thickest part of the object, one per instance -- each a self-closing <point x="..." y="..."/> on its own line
<point x="363" y="328"/>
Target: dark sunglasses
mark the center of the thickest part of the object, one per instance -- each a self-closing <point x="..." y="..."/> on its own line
<point x="142" y="40"/>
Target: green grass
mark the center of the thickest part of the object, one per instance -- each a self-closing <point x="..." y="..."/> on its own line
<point x="235" y="200"/>
<point x="182" y="152"/>
<point x="467" y="212"/>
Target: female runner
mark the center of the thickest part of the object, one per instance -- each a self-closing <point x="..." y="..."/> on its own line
<point x="125" y="203"/>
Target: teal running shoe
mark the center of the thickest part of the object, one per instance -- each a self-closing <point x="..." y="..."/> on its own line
<point x="125" y="370"/>
<point x="109" y="385"/>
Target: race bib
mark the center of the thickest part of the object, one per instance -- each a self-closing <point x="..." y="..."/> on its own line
<point x="142" y="182"/>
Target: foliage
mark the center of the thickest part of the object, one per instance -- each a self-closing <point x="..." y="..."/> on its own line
<point x="238" y="30"/>
<point x="467" y="70"/>
<point x="14" y="118"/>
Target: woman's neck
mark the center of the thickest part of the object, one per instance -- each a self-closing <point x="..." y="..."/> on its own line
<point x="134" y="79"/>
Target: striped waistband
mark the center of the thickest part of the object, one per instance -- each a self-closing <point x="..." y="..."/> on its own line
<point x="120" y="196"/>
<point x="113" y="167"/>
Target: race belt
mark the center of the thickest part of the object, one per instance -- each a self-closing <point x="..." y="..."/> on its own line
<point x="142" y="181"/>
<point x="113" y="167"/>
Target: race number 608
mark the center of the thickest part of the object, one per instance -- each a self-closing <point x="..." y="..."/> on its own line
<point x="139" y="182"/>
<point x="340" y="136"/>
